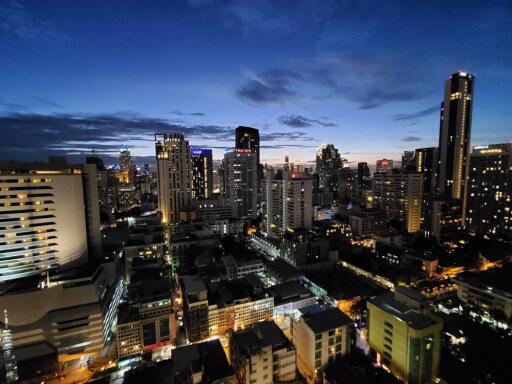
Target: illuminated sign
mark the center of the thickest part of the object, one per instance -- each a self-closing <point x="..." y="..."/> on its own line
<point x="198" y="151"/>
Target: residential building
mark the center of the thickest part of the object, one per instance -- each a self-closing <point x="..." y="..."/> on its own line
<point x="302" y="247"/>
<point x="195" y="307"/>
<point x="384" y="165"/>
<point x="403" y="336"/>
<point x="241" y="182"/>
<point x="399" y="194"/>
<point x="320" y="336"/>
<point x="408" y="162"/>
<point x="367" y="222"/>
<point x="202" y="172"/>
<point x="489" y="200"/>
<point x="262" y="354"/>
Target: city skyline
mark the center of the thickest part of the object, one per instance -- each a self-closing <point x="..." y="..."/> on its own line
<point x="303" y="81"/>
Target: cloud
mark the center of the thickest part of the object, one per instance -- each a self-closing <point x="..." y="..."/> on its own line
<point x="31" y="136"/>
<point x="367" y="82"/>
<point x="180" y="113"/>
<point x="267" y="87"/>
<point x="298" y="121"/>
<point x="414" y="116"/>
<point x="15" y="19"/>
<point x="411" y="139"/>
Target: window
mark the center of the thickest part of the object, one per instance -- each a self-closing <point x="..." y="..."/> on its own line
<point x="318" y="364"/>
<point x="318" y="345"/>
<point x="338" y="339"/>
<point x="331" y="332"/>
<point x="318" y="336"/>
<point x="318" y="355"/>
<point x="388" y="340"/>
<point x="338" y="348"/>
<point x="389" y="325"/>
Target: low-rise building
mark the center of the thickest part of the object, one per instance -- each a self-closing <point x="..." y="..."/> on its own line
<point x="262" y="355"/>
<point x="147" y="321"/>
<point x="367" y="223"/>
<point x="195" y="307"/>
<point x="320" y="336"/>
<point x="403" y="336"/>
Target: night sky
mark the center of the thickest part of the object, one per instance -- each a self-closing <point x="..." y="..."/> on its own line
<point x="366" y="76"/>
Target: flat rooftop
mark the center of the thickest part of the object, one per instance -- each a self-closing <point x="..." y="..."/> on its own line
<point x="326" y="320"/>
<point x="414" y="319"/>
<point x="263" y="334"/>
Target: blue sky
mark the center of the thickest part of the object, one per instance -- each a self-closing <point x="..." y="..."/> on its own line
<point x="366" y="76"/>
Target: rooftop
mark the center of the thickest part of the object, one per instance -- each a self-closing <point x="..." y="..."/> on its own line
<point x="326" y="320"/>
<point x="262" y="334"/>
<point x="414" y="318"/>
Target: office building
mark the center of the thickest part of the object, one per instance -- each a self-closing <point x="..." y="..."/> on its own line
<point x="425" y="162"/>
<point x="363" y="176"/>
<point x="399" y="194"/>
<point x="320" y="336"/>
<point x="403" y="336"/>
<point x="241" y="182"/>
<point x="384" y="165"/>
<point x="489" y="200"/>
<point x="49" y="218"/>
<point x="174" y="173"/>
<point x="202" y="172"/>
<point x="289" y="202"/>
<point x="455" y="136"/>
<point x="262" y="354"/>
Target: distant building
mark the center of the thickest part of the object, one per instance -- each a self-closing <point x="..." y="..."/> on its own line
<point x="367" y="222"/>
<point x="174" y="175"/>
<point x="202" y="172"/>
<point x="489" y="200"/>
<point x="248" y="138"/>
<point x="127" y="166"/>
<point x="384" y="165"/>
<point x="262" y="354"/>
<point x="404" y="337"/>
<point x="408" y="162"/>
<point x="320" y="337"/>
<point x="241" y="182"/>
<point x="289" y="202"/>
<point x="399" y="194"/>
<point x="328" y="165"/>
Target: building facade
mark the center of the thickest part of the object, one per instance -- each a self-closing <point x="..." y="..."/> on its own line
<point x="202" y="172"/>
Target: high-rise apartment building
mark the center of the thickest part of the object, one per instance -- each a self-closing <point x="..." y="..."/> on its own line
<point x="241" y="182"/>
<point x="425" y="162"/>
<point x="127" y="171"/>
<point x="49" y="218"/>
<point x="399" y="194"/>
<point x="328" y="165"/>
<point x="174" y="173"/>
<point x="289" y="202"/>
<point x="363" y="175"/>
<point x="489" y="198"/>
<point x="405" y="338"/>
<point x="202" y="173"/>
<point x="455" y="135"/>
<point x="408" y="160"/>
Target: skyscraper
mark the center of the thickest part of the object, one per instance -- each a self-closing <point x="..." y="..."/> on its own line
<point x="248" y="138"/>
<point x="425" y="162"/>
<point x="202" y="172"/>
<point x="127" y="166"/>
<point x="455" y="134"/>
<point x="241" y="182"/>
<point x="328" y="166"/>
<point x="489" y="206"/>
<point x="363" y="173"/>
<point x="174" y="173"/>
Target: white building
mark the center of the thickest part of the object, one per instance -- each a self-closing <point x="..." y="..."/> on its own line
<point x="262" y="355"/>
<point x="320" y="337"/>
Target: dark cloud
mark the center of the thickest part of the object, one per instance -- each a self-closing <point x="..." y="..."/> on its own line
<point x="180" y="113"/>
<point x="30" y="136"/>
<point x="414" y="116"/>
<point x="367" y="82"/>
<point x="298" y="121"/>
<point x="15" y="19"/>
<point x="411" y="139"/>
